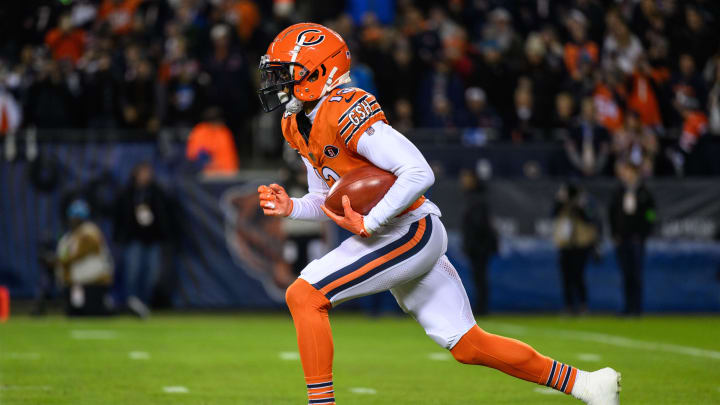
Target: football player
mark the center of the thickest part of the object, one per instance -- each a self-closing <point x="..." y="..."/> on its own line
<point x="399" y="245"/>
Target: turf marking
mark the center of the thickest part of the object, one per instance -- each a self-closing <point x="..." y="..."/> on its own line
<point x="546" y="391"/>
<point x="139" y="355"/>
<point x="589" y="357"/>
<point x="289" y="356"/>
<point x="363" y="391"/>
<point x="93" y="334"/>
<point x="176" y="389"/>
<point x="23" y="356"/>
<point x="439" y="356"/>
<point x="614" y="340"/>
<point x="25" y="388"/>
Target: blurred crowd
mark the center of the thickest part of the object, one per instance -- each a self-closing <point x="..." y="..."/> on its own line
<point x="607" y="77"/>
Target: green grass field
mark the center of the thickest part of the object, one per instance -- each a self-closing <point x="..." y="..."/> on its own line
<point x="252" y="359"/>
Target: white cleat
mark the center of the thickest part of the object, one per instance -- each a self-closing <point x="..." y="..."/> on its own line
<point x="603" y="387"/>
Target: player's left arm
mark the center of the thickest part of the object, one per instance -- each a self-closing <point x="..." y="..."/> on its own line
<point x="389" y="150"/>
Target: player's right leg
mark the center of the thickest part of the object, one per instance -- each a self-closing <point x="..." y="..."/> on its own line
<point x="356" y="268"/>
<point x="437" y="300"/>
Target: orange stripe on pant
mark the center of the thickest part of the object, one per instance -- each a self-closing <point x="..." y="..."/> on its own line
<point x="422" y="225"/>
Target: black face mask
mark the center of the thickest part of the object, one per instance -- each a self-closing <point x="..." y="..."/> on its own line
<point x="276" y="83"/>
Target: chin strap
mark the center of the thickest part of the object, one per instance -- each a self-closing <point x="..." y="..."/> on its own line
<point x="330" y="84"/>
<point x="294" y="106"/>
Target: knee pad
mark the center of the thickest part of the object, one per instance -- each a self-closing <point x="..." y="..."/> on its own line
<point x="303" y="296"/>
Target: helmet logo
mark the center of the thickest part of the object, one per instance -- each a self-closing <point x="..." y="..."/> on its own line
<point x="311" y="37"/>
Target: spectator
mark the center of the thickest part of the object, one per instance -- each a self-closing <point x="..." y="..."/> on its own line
<point x="205" y="50"/>
<point x="227" y="68"/>
<point x="579" y="50"/>
<point x="118" y="14"/>
<point x="621" y="49"/>
<point x="632" y="216"/>
<point x="695" y="126"/>
<point x="142" y="225"/>
<point x="480" y="241"/>
<point x="642" y="96"/>
<point x="595" y="14"/>
<point x="403" y="116"/>
<point x="695" y="37"/>
<point x="245" y="16"/>
<point x="65" y="41"/>
<point x="647" y="20"/>
<point x="688" y="88"/>
<point x="139" y="97"/>
<point x="494" y="75"/>
<point x="211" y="142"/>
<point x="187" y="93"/>
<point x="441" y="95"/>
<point x="563" y="117"/>
<point x="636" y="144"/>
<point x="544" y="77"/>
<point x="575" y="233"/>
<point x="84" y="264"/>
<point x="400" y="80"/>
<point x="588" y="146"/>
<point x="500" y="31"/>
<point x="49" y="102"/>
<point x="101" y="93"/>
<point x="714" y="102"/>
<point x="608" y="101"/>
<point x="524" y="120"/>
<point x="479" y="118"/>
<point x="10" y="112"/>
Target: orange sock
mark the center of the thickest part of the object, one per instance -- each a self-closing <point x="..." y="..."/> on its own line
<point x="513" y="357"/>
<point x="309" y="309"/>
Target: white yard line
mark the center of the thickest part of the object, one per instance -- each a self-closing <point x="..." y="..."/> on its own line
<point x="363" y="391"/>
<point x="176" y="389"/>
<point x="289" y="356"/>
<point x="439" y="356"/>
<point x="637" y="344"/>
<point x="546" y="391"/>
<point x="93" y="334"/>
<point x="612" y="340"/>
<point x="589" y="357"/>
<point x="139" y="355"/>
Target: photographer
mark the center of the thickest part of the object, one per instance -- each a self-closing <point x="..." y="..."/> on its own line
<point x="575" y="233"/>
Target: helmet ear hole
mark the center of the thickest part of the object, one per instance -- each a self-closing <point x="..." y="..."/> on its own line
<point x="324" y="70"/>
<point x="314" y="76"/>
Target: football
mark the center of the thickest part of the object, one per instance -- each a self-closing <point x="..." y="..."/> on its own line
<point x="365" y="186"/>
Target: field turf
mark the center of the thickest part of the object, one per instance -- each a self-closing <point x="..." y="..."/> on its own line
<point x="252" y="359"/>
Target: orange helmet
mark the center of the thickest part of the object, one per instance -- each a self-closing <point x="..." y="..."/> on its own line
<point x="305" y="60"/>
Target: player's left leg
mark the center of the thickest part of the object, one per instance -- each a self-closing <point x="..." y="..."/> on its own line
<point x="437" y="300"/>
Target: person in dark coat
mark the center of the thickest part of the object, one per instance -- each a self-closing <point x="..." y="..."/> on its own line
<point x="142" y="224"/>
<point x="588" y="145"/>
<point x="575" y="233"/>
<point x="480" y="240"/>
<point x="632" y="216"/>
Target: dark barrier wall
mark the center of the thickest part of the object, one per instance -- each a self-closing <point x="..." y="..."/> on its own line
<point x="682" y="262"/>
<point x="225" y="254"/>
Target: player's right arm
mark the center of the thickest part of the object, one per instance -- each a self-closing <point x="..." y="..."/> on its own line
<point x="276" y="202"/>
<point x="308" y="206"/>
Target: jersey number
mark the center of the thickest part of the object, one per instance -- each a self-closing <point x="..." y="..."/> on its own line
<point x="328" y="175"/>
